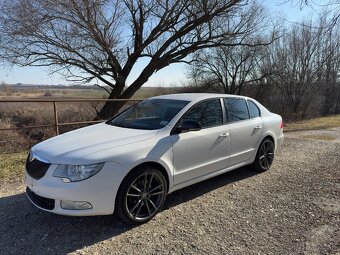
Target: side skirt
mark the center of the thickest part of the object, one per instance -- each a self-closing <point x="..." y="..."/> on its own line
<point x="207" y="176"/>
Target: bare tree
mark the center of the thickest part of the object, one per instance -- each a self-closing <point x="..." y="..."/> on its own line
<point x="330" y="7"/>
<point x="329" y="76"/>
<point x="304" y="67"/>
<point x="103" y="39"/>
<point x="228" y="69"/>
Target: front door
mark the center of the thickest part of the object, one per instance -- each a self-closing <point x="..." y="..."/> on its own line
<point x="198" y="153"/>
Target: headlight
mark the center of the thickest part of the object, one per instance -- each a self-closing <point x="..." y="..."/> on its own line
<point x="73" y="173"/>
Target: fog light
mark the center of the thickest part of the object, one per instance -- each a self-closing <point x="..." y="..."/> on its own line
<point x="75" y="205"/>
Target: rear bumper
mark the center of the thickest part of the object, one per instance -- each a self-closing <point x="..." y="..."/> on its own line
<point x="279" y="142"/>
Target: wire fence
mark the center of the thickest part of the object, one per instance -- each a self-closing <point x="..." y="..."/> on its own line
<point x="56" y="104"/>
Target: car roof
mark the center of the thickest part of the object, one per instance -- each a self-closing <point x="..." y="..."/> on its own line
<point x="195" y="97"/>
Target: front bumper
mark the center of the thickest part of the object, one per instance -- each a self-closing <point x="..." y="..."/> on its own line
<point x="99" y="190"/>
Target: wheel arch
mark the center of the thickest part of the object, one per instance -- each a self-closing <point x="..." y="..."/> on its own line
<point x="270" y="136"/>
<point x="156" y="165"/>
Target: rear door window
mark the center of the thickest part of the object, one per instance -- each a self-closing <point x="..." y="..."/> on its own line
<point x="236" y="108"/>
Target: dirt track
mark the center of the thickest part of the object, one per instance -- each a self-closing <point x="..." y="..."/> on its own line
<point x="292" y="209"/>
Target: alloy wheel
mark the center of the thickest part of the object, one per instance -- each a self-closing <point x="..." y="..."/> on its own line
<point x="145" y="196"/>
<point x="266" y="155"/>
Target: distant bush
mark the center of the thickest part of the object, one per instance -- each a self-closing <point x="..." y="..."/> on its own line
<point x="47" y="94"/>
<point x="6" y="90"/>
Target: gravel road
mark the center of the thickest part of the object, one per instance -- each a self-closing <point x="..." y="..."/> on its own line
<point x="294" y="208"/>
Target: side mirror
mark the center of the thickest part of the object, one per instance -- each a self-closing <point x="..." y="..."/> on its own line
<point x="188" y="125"/>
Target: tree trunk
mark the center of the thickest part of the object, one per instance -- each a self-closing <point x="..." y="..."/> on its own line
<point x="112" y="108"/>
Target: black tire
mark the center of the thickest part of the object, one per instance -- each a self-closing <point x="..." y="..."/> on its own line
<point x="264" y="156"/>
<point x="141" y="195"/>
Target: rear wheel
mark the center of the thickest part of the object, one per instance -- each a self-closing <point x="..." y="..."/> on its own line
<point x="141" y="195"/>
<point x="265" y="155"/>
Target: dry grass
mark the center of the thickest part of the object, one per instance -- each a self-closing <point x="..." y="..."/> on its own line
<point x="12" y="165"/>
<point x="314" y="124"/>
<point x="16" y="115"/>
<point x="11" y="140"/>
<point x="46" y="92"/>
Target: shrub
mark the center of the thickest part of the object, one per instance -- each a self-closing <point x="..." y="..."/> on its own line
<point x="47" y="94"/>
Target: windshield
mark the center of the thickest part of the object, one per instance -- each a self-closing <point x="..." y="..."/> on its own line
<point x="149" y="114"/>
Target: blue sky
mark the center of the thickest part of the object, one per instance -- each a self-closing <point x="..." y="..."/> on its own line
<point x="170" y="76"/>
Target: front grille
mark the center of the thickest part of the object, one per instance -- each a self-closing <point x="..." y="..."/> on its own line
<point x="43" y="202"/>
<point x="35" y="168"/>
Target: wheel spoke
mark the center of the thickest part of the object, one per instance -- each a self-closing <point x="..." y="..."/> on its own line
<point x="270" y="148"/>
<point x="137" y="189"/>
<point x="156" y="193"/>
<point x="155" y="188"/>
<point x="140" y="207"/>
<point x="147" y="206"/>
<point x="266" y="162"/>
<point x="262" y="162"/>
<point x="153" y="205"/>
<point x="145" y="181"/>
<point x="270" y="156"/>
<point x="136" y="205"/>
<point x="151" y="179"/>
<point x="133" y="195"/>
<point x="262" y="157"/>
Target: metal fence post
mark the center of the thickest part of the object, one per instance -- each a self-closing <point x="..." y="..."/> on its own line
<point x="134" y="103"/>
<point x="56" y="125"/>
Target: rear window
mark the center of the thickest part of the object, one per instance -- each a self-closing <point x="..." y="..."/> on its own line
<point x="237" y="109"/>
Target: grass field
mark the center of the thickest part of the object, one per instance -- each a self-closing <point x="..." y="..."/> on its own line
<point x="312" y="124"/>
<point x="12" y="165"/>
<point x="18" y="92"/>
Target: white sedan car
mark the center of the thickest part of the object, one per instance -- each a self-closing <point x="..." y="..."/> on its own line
<point x="130" y="163"/>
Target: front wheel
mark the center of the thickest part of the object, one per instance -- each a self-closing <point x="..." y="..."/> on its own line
<point x="265" y="155"/>
<point x="141" y="195"/>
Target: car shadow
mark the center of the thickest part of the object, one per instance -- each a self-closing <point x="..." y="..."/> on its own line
<point x="198" y="189"/>
<point x="28" y="230"/>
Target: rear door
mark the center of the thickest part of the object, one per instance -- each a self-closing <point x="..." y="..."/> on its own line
<point x="198" y="153"/>
<point x="245" y="129"/>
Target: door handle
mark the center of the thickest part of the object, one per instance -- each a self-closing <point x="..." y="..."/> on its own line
<point x="224" y="134"/>
<point x="258" y="127"/>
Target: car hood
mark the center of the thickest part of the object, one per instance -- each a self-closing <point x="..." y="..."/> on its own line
<point x="74" y="146"/>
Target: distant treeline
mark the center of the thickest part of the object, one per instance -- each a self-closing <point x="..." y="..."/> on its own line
<point x="298" y="75"/>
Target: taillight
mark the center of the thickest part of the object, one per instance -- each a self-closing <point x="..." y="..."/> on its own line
<point x="281" y="126"/>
